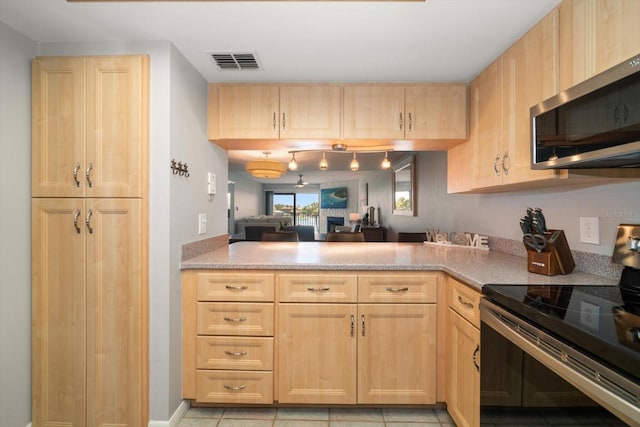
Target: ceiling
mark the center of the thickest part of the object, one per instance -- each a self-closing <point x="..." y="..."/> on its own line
<point x="307" y="41"/>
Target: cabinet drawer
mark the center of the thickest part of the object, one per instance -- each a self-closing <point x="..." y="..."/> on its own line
<point x="234" y="387"/>
<point x="235" y="287"/>
<point x="235" y="319"/>
<point x="398" y="288"/>
<point x="465" y="301"/>
<point x="315" y="287"/>
<point x="239" y="353"/>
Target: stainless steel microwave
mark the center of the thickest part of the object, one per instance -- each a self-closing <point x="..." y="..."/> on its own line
<point x="595" y="124"/>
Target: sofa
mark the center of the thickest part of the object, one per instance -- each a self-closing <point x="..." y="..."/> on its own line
<point x="263" y="220"/>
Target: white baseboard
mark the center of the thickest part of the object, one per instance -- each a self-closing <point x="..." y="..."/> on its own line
<point x="175" y="418"/>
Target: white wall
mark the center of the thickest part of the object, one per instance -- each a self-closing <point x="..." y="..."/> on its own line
<point x="16" y="52"/>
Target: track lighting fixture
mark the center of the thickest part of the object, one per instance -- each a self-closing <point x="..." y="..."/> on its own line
<point x="354" y="165"/>
<point x="324" y="165"/>
<point x="386" y="164"/>
<point x="293" y="165"/>
<point x="341" y="149"/>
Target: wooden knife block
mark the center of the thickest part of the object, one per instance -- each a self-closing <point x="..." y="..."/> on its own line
<point x="554" y="259"/>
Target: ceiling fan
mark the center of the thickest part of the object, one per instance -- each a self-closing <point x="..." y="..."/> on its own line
<point x="300" y="182"/>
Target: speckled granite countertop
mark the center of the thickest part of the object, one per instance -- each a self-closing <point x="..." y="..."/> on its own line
<point x="473" y="267"/>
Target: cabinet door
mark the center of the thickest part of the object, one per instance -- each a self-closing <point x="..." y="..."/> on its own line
<point x="58" y="127"/>
<point x="463" y="402"/>
<point x="396" y="353"/>
<point x="58" y="276"/>
<point x="486" y="106"/>
<point x="604" y="33"/>
<point x="116" y="313"/>
<point x="248" y="111"/>
<point x="117" y="115"/>
<point x="436" y="111"/>
<point x="310" y="111"/>
<point x="530" y="75"/>
<point x="317" y="353"/>
<point x="374" y="112"/>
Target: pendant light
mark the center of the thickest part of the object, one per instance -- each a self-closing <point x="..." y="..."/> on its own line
<point x="386" y="164"/>
<point x="293" y="165"/>
<point x="266" y="168"/>
<point x="324" y="165"/>
<point x="354" y="165"/>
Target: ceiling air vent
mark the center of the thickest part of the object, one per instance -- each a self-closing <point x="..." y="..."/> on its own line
<point x="236" y="61"/>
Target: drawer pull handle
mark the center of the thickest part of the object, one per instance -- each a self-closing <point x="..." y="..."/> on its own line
<point x="235" y="353"/>
<point x="237" y="288"/>
<point x="465" y="303"/>
<point x="235" y="388"/>
<point x="239" y="319"/>
<point x="363" y="324"/>
<point x="397" y="289"/>
<point x="353" y="323"/>
<point x="75" y="174"/>
<point x="318" y="289"/>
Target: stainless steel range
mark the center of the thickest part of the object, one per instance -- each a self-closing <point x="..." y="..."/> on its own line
<point x="588" y="336"/>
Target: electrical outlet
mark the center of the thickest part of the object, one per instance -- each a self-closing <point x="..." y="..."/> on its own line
<point x="202" y="223"/>
<point x="590" y="315"/>
<point x="590" y="230"/>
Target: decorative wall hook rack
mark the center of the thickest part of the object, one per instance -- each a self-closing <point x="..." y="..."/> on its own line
<point x="180" y="168"/>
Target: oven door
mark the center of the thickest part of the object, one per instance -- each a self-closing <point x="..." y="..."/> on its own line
<point x="525" y="372"/>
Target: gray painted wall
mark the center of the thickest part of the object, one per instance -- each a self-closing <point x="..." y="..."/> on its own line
<point x="177" y="130"/>
<point x="16" y="52"/>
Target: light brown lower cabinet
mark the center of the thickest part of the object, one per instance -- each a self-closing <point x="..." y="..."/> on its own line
<point x="384" y="351"/>
<point x="463" y="391"/>
<point x="89" y="313"/>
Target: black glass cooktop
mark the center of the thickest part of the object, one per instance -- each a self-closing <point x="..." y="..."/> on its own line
<point x="592" y="319"/>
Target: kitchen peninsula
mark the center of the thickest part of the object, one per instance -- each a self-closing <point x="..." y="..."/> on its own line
<point x="321" y="323"/>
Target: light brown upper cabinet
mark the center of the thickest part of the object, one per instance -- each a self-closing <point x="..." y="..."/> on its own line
<point x="393" y="111"/>
<point x="332" y="112"/>
<point x="263" y="111"/>
<point x="244" y="111"/>
<point x="596" y="35"/>
<point x="501" y="97"/>
<point x="310" y="111"/>
<point x="89" y="138"/>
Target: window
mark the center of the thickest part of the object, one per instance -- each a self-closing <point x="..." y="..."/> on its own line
<point x="302" y="207"/>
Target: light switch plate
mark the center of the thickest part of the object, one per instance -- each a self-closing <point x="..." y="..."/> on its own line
<point x="590" y="315"/>
<point x="202" y="223"/>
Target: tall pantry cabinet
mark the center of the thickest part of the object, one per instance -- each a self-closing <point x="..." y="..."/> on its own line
<point x="89" y="240"/>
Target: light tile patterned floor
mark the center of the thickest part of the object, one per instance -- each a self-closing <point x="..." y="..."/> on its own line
<point x="315" y="417"/>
